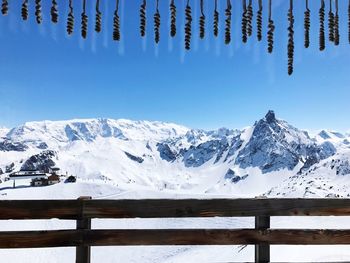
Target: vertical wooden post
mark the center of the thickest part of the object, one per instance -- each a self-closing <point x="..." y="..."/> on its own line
<point x="262" y="251"/>
<point x="83" y="253"/>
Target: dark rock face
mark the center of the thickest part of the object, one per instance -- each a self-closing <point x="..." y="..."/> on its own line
<point x="40" y="162"/>
<point x="1" y="172"/>
<point x="343" y="168"/>
<point x="42" y="146"/>
<point x="165" y="152"/>
<point x="231" y="175"/>
<point x="134" y="158"/>
<point x="276" y="145"/>
<point x="7" y="145"/>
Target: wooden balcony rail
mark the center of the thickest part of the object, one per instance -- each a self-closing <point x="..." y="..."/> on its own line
<point x="84" y="209"/>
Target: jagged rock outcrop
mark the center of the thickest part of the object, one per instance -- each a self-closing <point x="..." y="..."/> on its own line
<point x="43" y="161"/>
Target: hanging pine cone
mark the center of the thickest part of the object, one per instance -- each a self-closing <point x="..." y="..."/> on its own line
<point x="172" y="19"/>
<point x="216" y="21"/>
<point x="336" y="25"/>
<point x="244" y="23"/>
<point x="84" y="23"/>
<point x="38" y="15"/>
<point x="4" y="7"/>
<point x="188" y="26"/>
<point x="259" y="21"/>
<point x="271" y="30"/>
<point x="143" y="19"/>
<point x="290" y="39"/>
<point x="228" y="15"/>
<point x="322" y="37"/>
<point x="54" y="12"/>
<point x="331" y="23"/>
<point x="70" y="19"/>
<point x="250" y="18"/>
<point x="157" y="26"/>
<point x="116" y="23"/>
<point x="307" y="24"/>
<point x="98" y="18"/>
<point x="24" y="10"/>
<point x="202" y="22"/>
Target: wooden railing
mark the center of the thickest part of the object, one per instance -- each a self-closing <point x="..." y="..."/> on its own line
<point x="84" y="209"/>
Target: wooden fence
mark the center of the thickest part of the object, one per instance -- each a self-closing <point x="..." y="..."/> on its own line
<point x="84" y="209"/>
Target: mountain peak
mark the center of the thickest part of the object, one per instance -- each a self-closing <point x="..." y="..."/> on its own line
<point x="270" y="116"/>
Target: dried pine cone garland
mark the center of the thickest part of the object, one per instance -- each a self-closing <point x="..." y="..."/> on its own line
<point x="291" y="39"/>
<point x="322" y="35"/>
<point x="157" y="26"/>
<point x="54" y="12"/>
<point x="271" y="30"/>
<point x="4" y="7"/>
<point x="98" y="18"/>
<point x="70" y="19"/>
<point x="336" y="25"/>
<point x="84" y="21"/>
<point x="330" y="23"/>
<point x="244" y="23"/>
<point x="172" y="19"/>
<point x="307" y="23"/>
<point x="202" y="22"/>
<point x="259" y="21"/>
<point x="116" y="23"/>
<point x="143" y="18"/>
<point x="250" y="18"/>
<point x="228" y="15"/>
<point x="24" y="10"/>
<point x="38" y="15"/>
<point x="188" y="26"/>
<point x="216" y="20"/>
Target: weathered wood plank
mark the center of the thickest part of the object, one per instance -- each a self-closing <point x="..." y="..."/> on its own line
<point x="162" y="208"/>
<point x="216" y="208"/>
<point x="262" y="251"/>
<point x="39" y="209"/>
<point x="68" y="238"/>
<point x="83" y="252"/>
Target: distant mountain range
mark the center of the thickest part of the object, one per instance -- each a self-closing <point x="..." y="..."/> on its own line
<point x="271" y="157"/>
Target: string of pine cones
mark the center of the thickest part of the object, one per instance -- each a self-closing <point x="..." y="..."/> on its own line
<point x="331" y="22"/>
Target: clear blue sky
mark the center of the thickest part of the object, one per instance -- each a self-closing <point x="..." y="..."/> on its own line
<point x="47" y="75"/>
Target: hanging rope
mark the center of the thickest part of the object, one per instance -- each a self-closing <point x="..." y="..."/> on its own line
<point x="336" y="24"/>
<point x="250" y="18"/>
<point x="38" y="15"/>
<point x="322" y="38"/>
<point x="202" y="21"/>
<point x="54" y="12"/>
<point x="24" y="10"/>
<point x="188" y="26"/>
<point x="70" y="19"/>
<point x="84" y="21"/>
<point x="157" y="23"/>
<point x="290" y="39"/>
<point x="98" y="22"/>
<point x="244" y="22"/>
<point x="228" y="22"/>
<point x="259" y="21"/>
<point x="271" y="30"/>
<point x="307" y="24"/>
<point x="143" y="18"/>
<point x="5" y="7"/>
<point x="216" y="20"/>
<point x="116" y="23"/>
<point x="330" y="23"/>
<point x="172" y="19"/>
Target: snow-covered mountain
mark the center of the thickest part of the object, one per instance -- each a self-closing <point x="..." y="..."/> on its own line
<point x="160" y="156"/>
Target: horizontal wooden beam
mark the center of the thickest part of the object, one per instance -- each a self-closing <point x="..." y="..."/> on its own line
<point x="161" y="237"/>
<point x="162" y="208"/>
<point x="216" y="208"/>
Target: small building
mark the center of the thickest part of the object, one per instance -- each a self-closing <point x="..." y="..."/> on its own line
<point x="53" y="179"/>
<point x="38" y="182"/>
